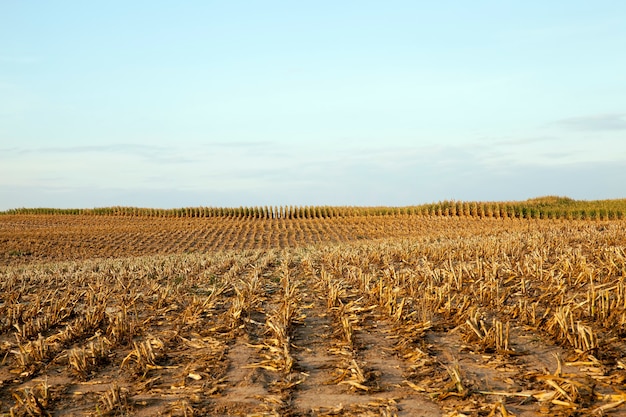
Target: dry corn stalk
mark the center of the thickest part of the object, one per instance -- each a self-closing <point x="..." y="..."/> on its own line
<point x="455" y="387"/>
<point x="501" y="335"/>
<point x="113" y="401"/>
<point x="83" y="360"/>
<point x="32" y="401"/>
<point x="143" y="358"/>
<point x="33" y="353"/>
<point x="121" y="326"/>
<point x="356" y="378"/>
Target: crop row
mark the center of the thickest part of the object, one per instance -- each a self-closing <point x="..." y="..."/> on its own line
<point x="542" y="208"/>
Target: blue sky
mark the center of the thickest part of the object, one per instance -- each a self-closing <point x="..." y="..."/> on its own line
<point x="207" y="103"/>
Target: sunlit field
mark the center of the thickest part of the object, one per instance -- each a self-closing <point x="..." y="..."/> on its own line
<point x="448" y="309"/>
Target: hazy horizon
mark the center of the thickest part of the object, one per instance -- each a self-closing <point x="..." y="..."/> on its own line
<point x="343" y="104"/>
<point x="279" y="206"/>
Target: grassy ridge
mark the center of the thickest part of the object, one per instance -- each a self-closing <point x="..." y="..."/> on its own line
<point x="535" y="208"/>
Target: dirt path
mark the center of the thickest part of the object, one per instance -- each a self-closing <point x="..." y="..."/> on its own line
<point x="381" y="358"/>
<point x="312" y="353"/>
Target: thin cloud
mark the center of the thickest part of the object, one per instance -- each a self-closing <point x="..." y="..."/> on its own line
<point x="112" y="148"/>
<point x="601" y="122"/>
<point x="161" y="154"/>
<point x="525" y="141"/>
<point x="24" y="59"/>
<point x="239" y="144"/>
<point x="559" y="155"/>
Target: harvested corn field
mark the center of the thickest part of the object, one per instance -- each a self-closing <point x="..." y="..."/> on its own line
<point x="29" y="238"/>
<point x="386" y="315"/>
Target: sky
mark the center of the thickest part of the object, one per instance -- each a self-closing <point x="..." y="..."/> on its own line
<point x="245" y="103"/>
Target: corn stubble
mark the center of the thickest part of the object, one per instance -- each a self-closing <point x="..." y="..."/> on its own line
<point x="162" y="326"/>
